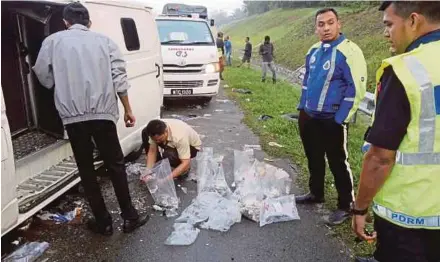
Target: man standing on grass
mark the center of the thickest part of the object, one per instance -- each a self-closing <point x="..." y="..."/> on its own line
<point x="247" y="53"/>
<point x="334" y="84"/>
<point x="228" y="51"/>
<point x="87" y="72"/>
<point x="267" y="54"/>
<point x="401" y="171"/>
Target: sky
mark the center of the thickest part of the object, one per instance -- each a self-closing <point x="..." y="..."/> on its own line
<point x="212" y="5"/>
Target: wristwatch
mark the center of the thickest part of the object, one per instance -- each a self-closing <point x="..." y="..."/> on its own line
<point x="358" y="212"/>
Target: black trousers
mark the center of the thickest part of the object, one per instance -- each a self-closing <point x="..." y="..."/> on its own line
<point x="395" y="243"/>
<point x="106" y="138"/>
<point x="325" y="137"/>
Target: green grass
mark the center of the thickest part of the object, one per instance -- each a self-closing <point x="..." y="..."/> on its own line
<point x="292" y="32"/>
<point x="279" y="99"/>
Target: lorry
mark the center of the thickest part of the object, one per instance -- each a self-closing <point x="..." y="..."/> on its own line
<point x="37" y="160"/>
<point x="190" y="57"/>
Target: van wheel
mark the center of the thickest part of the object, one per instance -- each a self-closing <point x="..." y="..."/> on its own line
<point x="134" y="155"/>
<point x="205" y="100"/>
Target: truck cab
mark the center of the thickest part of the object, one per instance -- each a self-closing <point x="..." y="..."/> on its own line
<point x="190" y="58"/>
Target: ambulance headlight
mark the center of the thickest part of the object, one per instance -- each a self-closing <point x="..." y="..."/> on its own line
<point x="212" y="68"/>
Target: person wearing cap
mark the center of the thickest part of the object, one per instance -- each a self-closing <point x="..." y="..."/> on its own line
<point x="333" y="86"/>
<point x="87" y="72"/>
<point x="400" y="174"/>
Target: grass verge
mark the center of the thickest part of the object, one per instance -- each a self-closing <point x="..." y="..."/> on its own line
<point x="281" y="98"/>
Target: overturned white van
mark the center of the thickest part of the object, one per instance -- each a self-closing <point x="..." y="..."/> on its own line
<point x="37" y="160"/>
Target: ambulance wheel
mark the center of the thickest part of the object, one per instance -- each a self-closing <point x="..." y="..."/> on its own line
<point x="205" y="100"/>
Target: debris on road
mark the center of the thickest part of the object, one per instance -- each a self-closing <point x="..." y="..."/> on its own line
<point x="59" y="218"/>
<point x="27" y="252"/>
<point x="207" y="115"/>
<point x="158" y="208"/>
<point x="223" y="101"/>
<point x="274" y="144"/>
<point x="268" y="159"/>
<point x="184" y="189"/>
<point x="291" y="117"/>
<point x="265" y="117"/>
<point x="279" y="209"/>
<point x="219" y="110"/>
<point x="226" y="86"/>
<point x="171" y="212"/>
<point x="134" y="170"/>
<point x="183" y="235"/>
<point x="254" y="147"/>
<point x="241" y="90"/>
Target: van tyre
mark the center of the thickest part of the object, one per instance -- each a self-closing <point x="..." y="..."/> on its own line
<point x="134" y="155"/>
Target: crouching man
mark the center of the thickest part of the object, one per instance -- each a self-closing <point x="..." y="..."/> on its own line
<point x="172" y="139"/>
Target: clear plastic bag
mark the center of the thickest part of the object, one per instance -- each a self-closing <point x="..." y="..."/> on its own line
<point x="210" y="174"/>
<point x="223" y="214"/>
<point x="243" y="161"/>
<point x="275" y="182"/>
<point x="214" y="180"/>
<point x="183" y="235"/>
<point x="279" y="209"/>
<point x="213" y="211"/>
<point x="161" y="186"/>
<point x="28" y="252"/>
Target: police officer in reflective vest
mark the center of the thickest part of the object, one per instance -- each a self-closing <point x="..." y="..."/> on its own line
<point x="401" y="170"/>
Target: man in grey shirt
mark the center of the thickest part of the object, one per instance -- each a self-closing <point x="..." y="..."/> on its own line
<point x="267" y="54"/>
<point x="247" y="53"/>
<point x="87" y="72"/>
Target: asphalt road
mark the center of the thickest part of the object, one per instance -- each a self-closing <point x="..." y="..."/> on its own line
<point x="305" y="240"/>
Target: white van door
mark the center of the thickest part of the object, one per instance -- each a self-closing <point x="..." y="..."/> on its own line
<point x="9" y="183"/>
<point x="134" y="30"/>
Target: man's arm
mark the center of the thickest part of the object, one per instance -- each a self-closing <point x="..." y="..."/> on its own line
<point x="151" y="155"/>
<point x="377" y="165"/>
<point x="182" y="168"/>
<point x="355" y="76"/>
<point x="43" y="66"/>
<point x="302" y="100"/>
<point x="120" y="81"/>
<point x="118" y="70"/>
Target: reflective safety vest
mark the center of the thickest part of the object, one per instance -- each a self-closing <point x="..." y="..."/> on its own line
<point x="410" y="197"/>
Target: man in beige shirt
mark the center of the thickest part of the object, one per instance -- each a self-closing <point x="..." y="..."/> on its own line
<point x="177" y="140"/>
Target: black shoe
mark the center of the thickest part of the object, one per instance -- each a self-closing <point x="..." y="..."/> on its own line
<point x="131" y="225"/>
<point x="309" y="198"/>
<point x="365" y="259"/>
<point x="338" y="217"/>
<point x="106" y="230"/>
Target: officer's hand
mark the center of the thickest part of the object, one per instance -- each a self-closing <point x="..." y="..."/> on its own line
<point x="129" y="119"/>
<point x="358" y="226"/>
